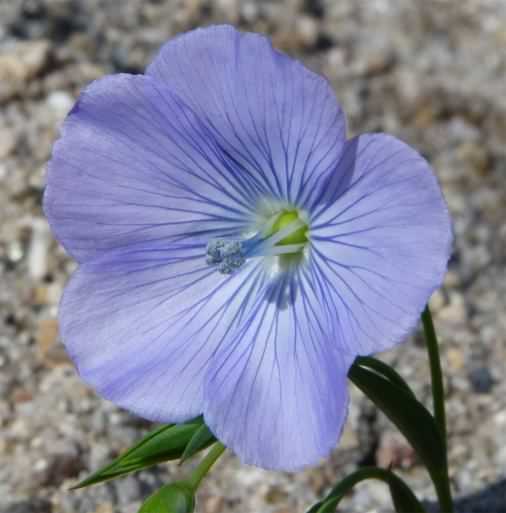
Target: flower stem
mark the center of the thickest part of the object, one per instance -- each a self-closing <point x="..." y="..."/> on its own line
<point x="445" y="498"/>
<point x="205" y="465"/>
<point x="435" y="371"/>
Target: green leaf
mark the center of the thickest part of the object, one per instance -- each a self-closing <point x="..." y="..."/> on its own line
<point x="163" y="444"/>
<point x="385" y="371"/>
<point x="202" y="439"/>
<point x="329" y="506"/>
<point x="315" y="508"/>
<point x="403" y="498"/>
<point x="411" y="418"/>
<point x="172" y="498"/>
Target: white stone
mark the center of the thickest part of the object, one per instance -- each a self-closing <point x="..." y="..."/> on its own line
<point x="60" y="102"/>
<point x="39" y="248"/>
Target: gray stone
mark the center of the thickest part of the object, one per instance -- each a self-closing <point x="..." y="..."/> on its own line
<point x="29" y="506"/>
<point x="430" y="72"/>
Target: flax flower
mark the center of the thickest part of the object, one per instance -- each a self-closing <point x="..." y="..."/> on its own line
<point x="236" y="251"/>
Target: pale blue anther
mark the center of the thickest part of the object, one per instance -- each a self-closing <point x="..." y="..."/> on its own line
<point x="228" y="255"/>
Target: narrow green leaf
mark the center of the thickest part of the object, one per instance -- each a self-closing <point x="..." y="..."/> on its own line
<point x="403" y="498"/>
<point x="163" y="444"/>
<point x="329" y="506"/>
<point x="201" y="439"/>
<point x="315" y="508"/>
<point x="385" y="371"/>
<point x="411" y="418"/>
<point x="172" y="498"/>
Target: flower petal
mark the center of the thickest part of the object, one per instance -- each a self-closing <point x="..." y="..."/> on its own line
<point x="142" y="324"/>
<point x="276" y="394"/>
<point x="381" y="238"/>
<point x="135" y="164"/>
<point x="275" y="117"/>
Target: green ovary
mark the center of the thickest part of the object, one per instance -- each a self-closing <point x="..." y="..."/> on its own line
<point x="284" y="219"/>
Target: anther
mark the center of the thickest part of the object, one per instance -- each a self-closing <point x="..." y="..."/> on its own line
<point x="283" y="236"/>
<point x="228" y="255"/>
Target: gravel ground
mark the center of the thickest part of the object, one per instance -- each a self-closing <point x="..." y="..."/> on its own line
<point x="431" y="72"/>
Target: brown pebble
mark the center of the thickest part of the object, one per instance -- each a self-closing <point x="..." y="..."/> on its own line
<point x="51" y="351"/>
<point x="21" y="395"/>
<point x="214" y="504"/>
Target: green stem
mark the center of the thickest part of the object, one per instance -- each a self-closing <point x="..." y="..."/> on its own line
<point x="205" y="465"/>
<point x="435" y="372"/>
<point x="445" y="499"/>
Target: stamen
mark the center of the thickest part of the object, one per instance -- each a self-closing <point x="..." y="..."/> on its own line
<point x="286" y="231"/>
<point x="227" y="254"/>
<point x="271" y="245"/>
<point x="285" y="250"/>
<point x="284" y="236"/>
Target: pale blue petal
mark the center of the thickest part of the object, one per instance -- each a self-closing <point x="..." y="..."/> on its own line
<point x="275" y="117"/>
<point x="381" y="238"/>
<point x="135" y="164"/>
<point x="276" y="394"/>
<point x="142" y="325"/>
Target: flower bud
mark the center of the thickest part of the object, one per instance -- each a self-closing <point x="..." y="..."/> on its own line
<point x="172" y="498"/>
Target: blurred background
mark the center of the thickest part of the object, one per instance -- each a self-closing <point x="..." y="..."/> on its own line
<point x="432" y="72"/>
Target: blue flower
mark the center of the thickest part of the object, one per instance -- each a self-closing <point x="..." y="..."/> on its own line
<point x="236" y="252"/>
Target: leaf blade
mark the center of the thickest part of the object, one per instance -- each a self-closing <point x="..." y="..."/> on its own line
<point x="162" y="444"/>
<point x="201" y="439"/>
<point x="386" y="371"/>
<point x="411" y="418"/>
<point x="329" y="506"/>
<point x="403" y="498"/>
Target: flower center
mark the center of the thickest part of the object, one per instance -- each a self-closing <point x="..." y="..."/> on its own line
<point x="285" y="218"/>
<point x="283" y="235"/>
